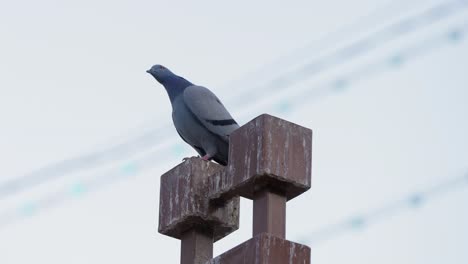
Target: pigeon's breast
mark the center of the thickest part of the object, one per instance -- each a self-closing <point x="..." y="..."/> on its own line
<point x="188" y="126"/>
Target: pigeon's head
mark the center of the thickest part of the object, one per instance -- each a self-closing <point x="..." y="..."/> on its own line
<point x="160" y="73"/>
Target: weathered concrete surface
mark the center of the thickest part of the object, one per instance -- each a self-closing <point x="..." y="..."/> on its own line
<point x="266" y="152"/>
<point x="265" y="249"/>
<point x="195" y="247"/>
<point x="184" y="203"/>
<point x="269" y="214"/>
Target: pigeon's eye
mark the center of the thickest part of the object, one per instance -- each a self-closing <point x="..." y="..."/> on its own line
<point x="161" y="67"/>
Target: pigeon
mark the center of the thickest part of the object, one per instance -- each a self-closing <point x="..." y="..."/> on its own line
<point x="199" y="117"/>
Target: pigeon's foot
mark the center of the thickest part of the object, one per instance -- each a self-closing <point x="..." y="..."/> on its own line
<point x="206" y="157"/>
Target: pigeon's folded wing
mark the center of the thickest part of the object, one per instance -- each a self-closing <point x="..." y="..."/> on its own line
<point x="209" y="110"/>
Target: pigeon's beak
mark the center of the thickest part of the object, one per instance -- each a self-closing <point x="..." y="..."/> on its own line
<point x="148" y="71"/>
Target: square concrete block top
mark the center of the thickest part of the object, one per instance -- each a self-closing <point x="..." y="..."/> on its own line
<point x="265" y="249"/>
<point x="184" y="204"/>
<point x="267" y="152"/>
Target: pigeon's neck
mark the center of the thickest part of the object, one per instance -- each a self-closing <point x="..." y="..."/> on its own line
<point x="175" y="85"/>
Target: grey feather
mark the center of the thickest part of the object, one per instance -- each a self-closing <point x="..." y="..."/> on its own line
<point x="210" y="111"/>
<point x="198" y="115"/>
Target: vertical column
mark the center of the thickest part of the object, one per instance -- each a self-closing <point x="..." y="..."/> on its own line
<point x="269" y="213"/>
<point x="185" y="211"/>
<point x="196" y="247"/>
<point x="270" y="162"/>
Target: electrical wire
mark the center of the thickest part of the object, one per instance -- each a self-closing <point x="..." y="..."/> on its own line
<point x="153" y="137"/>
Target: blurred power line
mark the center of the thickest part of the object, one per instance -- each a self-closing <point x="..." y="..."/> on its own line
<point x="385" y="212"/>
<point x="161" y="137"/>
<point x="159" y="155"/>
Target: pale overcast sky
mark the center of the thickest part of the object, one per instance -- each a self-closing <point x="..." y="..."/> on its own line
<point x="383" y="84"/>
